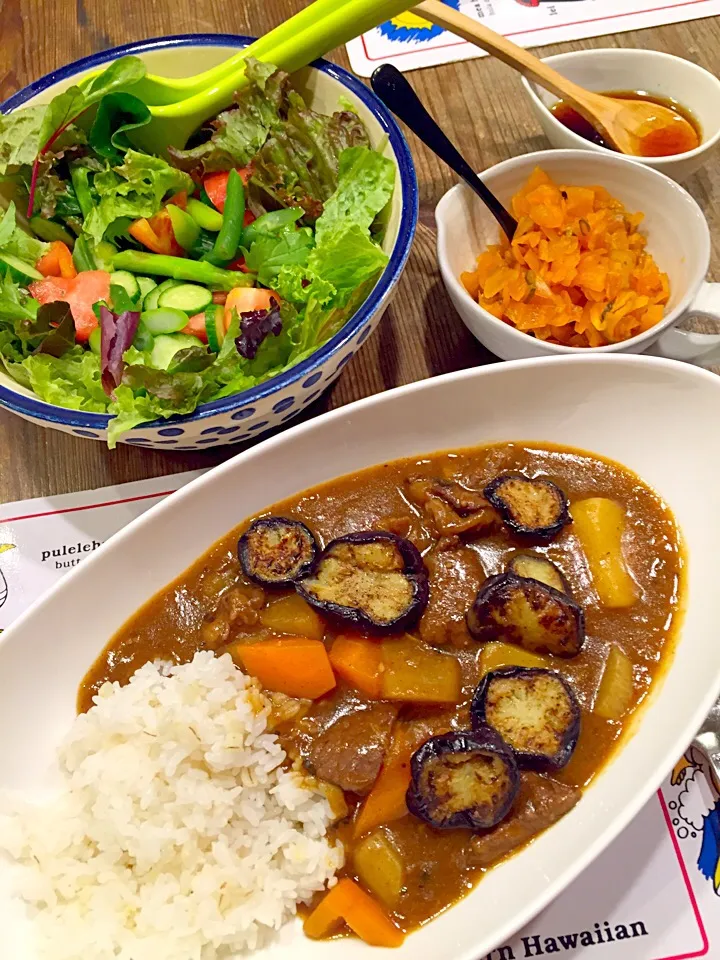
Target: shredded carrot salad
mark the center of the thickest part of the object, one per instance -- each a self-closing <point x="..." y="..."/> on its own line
<point x="576" y="272"/>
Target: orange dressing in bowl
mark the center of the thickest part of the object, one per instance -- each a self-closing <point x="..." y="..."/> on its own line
<point x="661" y="141"/>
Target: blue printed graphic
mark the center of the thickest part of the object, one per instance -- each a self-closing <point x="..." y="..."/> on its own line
<point x="410" y="28"/>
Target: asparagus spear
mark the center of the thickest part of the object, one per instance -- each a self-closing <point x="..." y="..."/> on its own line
<point x="196" y="271"/>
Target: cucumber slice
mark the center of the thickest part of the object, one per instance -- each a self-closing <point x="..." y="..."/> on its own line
<point x="164" y="320"/>
<point x="26" y="269"/>
<point x="126" y="280"/>
<point x="167" y="345"/>
<point x="94" y="340"/>
<point x="190" y="297"/>
<point x="146" y="285"/>
<point x="215" y="326"/>
<point x="207" y="217"/>
<point x="151" y="299"/>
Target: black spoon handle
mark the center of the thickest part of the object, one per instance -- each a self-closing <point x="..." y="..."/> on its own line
<point x="397" y="94"/>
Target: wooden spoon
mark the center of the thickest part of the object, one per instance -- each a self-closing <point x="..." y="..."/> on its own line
<point x="635" y="127"/>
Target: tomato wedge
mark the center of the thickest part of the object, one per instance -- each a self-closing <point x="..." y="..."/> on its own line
<point x="216" y="185"/>
<point x="196" y="327"/>
<point x="81" y="292"/>
<point x="246" y="299"/>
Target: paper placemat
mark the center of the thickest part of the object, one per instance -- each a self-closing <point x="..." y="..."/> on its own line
<point x="411" y="43"/>
<point x="653" y="894"/>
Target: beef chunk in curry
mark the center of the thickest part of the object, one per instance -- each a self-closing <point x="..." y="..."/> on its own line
<point x="350" y="751"/>
<point x="454" y="593"/>
<point x="540" y="803"/>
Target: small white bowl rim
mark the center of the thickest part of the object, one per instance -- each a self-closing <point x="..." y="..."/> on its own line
<point x="534" y="159"/>
<point x="658" y="162"/>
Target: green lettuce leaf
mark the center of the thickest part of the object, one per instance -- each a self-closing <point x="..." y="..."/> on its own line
<point x="133" y="189"/>
<point x="20" y="137"/>
<point x="18" y="313"/>
<point x="344" y="255"/>
<point x="268" y="254"/>
<point x="322" y="322"/>
<point x="15" y="241"/>
<point x="346" y="259"/>
<point x="239" y="133"/>
<point x="299" y="162"/>
<point x="59" y="336"/>
<point x="72" y="380"/>
<point x="66" y="106"/>
<point x="365" y="185"/>
<point x="294" y="284"/>
<point x="160" y="395"/>
<point x="117" y="115"/>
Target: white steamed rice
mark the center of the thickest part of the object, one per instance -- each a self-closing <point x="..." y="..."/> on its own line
<point x="177" y="835"/>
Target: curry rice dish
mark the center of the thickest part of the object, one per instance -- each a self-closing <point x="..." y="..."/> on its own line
<point x="446" y="649"/>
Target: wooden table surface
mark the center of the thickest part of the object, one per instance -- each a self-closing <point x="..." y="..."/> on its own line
<point x="481" y="107"/>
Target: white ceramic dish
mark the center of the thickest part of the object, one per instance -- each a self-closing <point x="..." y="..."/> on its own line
<point x="678" y="238"/>
<point x="656" y="73"/>
<point x="250" y="414"/>
<point x="657" y="417"/>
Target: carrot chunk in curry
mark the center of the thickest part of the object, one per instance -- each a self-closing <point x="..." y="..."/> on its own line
<point x="446" y="648"/>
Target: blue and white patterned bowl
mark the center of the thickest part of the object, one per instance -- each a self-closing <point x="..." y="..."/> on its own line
<point x="251" y="413"/>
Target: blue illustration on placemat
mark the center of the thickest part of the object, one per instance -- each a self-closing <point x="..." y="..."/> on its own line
<point x="4" y="547"/>
<point x="695" y="811"/>
<point x="409" y="27"/>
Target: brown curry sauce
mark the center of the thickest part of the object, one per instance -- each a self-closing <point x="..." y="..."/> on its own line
<point x="212" y="605"/>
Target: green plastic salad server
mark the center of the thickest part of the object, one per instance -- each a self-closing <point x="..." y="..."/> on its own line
<point x="158" y="91"/>
<point x="324" y="25"/>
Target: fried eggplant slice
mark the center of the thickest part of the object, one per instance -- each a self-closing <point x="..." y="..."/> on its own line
<point x="529" y="613"/>
<point x="534" y="567"/>
<point x="465" y="780"/>
<point x="372" y="580"/>
<point x="534" y="710"/>
<point x="276" y="551"/>
<point x="534" y="508"/>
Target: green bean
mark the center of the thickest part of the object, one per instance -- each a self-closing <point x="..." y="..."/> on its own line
<point x="79" y="177"/>
<point x="49" y="230"/>
<point x="197" y="271"/>
<point x="82" y="255"/>
<point x="228" y="239"/>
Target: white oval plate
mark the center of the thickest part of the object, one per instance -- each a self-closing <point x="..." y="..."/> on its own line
<point x="657" y="417"/>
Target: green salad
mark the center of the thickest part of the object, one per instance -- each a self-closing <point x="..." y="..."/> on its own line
<point x="141" y="286"/>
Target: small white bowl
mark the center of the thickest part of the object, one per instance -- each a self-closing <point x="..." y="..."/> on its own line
<point x="678" y="238"/>
<point x="656" y="73"/>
